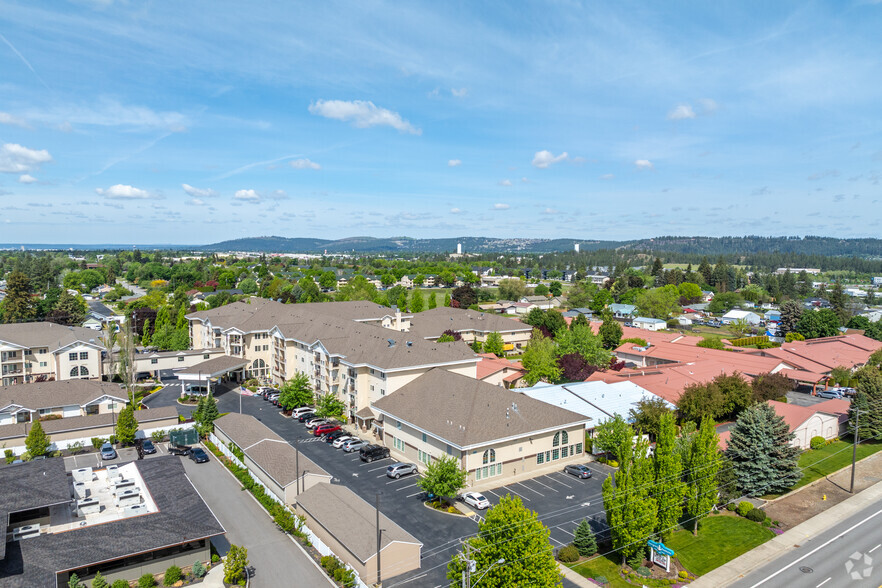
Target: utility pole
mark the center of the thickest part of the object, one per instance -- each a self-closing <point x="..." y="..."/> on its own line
<point x="297" y="468"/>
<point x="857" y="439"/>
<point x="469" y="564"/>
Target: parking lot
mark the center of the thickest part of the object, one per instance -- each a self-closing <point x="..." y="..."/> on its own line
<point x="561" y="500"/>
<point x="124" y="455"/>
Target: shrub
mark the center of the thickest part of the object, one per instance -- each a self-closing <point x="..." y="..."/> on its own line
<point x="113" y="440"/>
<point x="146" y="581"/>
<point x="172" y="575"/>
<point x="601" y="580"/>
<point x="120" y="584"/>
<point x="97" y="442"/>
<point x="215" y="558"/>
<point x="683" y="574"/>
<point x="235" y="564"/>
<point x="643" y="571"/>
<point x="730" y="507"/>
<point x="613" y="463"/>
<point x="76" y="447"/>
<point x="568" y="554"/>
<point x="817" y="442"/>
<point x="767" y="523"/>
<point x="756" y="515"/>
<point x="74" y="582"/>
<point x="10" y="456"/>
<point x="776" y="523"/>
<point x="158" y="436"/>
<point x="743" y="508"/>
<point x="331" y="563"/>
<point x="99" y="582"/>
<point x="199" y="569"/>
<point x="451" y="509"/>
<point x="436" y="504"/>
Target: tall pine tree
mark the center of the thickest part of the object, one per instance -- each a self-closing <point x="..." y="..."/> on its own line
<point x="761" y="452"/>
<point x="669" y="486"/>
<point x="701" y="477"/>
<point x="18" y="306"/>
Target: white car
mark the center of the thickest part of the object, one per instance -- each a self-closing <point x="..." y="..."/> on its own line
<point x="476" y="500"/>
<point x="302" y="410"/>
<point x="338" y="442"/>
<point x="316" y="422"/>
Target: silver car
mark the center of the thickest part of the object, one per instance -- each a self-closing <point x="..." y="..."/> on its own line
<point x="396" y="470"/>
<point x="338" y="442"/>
<point x="354" y="445"/>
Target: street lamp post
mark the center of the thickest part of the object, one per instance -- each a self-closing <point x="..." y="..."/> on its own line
<point x="498" y="562"/>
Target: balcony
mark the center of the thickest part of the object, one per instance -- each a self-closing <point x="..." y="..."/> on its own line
<point x="12" y="370"/>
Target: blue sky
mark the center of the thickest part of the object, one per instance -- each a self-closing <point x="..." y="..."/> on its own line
<point x="194" y="122"/>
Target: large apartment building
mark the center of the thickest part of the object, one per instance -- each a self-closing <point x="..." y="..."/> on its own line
<point x="34" y="352"/>
<point x="358" y="351"/>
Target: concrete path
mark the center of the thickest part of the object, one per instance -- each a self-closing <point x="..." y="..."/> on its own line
<point x="785" y="544"/>
<point x="275" y="557"/>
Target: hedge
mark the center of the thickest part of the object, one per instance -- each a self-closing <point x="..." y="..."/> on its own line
<point x="817" y="442"/>
<point x="746" y="341"/>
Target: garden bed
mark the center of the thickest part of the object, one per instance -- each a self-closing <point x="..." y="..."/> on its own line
<point x="442" y="507"/>
<point x="598" y="568"/>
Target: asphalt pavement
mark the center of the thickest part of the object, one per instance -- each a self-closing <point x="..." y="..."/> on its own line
<point x="845" y="555"/>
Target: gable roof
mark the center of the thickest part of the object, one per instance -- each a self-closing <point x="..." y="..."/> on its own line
<point x="49" y="335"/>
<point x="58" y="393"/>
<point x="432" y="323"/>
<point x="466" y="412"/>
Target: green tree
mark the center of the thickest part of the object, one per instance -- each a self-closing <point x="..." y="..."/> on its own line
<point x="18" y="306"/>
<point x="447" y="299"/>
<point x="659" y="302"/>
<point x="761" y="452"/>
<point x="724" y="302"/>
<point x="818" y="323"/>
<point x="37" y="442"/>
<point x="329" y="406"/>
<point x="540" y="359"/>
<point x="358" y="288"/>
<point x="416" y="300"/>
<point x="235" y="564"/>
<point x="701" y="475"/>
<point x="669" y="487"/>
<point x="610" y="331"/>
<point x="691" y="292"/>
<point x="328" y="280"/>
<point x="74" y="582"/>
<point x="771" y="386"/>
<point x="648" y="413"/>
<point x="601" y="300"/>
<point x="868" y="400"/>
<point x="145" y="337"/>
<point x="613" y="434"/>
<point x="791" y="312"/>
<point x="541" y="290"/>
<point x="514" y="535"/>
<point x="296" y="392"/>
<point x="99" y="582"/>
<point x="69" y="310"/>
<point x="556" y="288"/>
<point x="248" y="286"/>
<point x="443" y="477"/>
<point x="433" y="300"/>
<point x="207" y="415"/>
<point x="582" y="340"/>
<point x="494" y="344"/>
<point x="584" y="540"/>
<point x="512" y="289"/>
<point x="126" y="425"/>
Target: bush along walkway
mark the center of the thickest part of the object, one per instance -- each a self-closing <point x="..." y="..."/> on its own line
<point x="285" y="519"/>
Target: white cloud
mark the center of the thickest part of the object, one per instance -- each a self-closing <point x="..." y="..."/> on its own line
<point x="304" y="164"/>
<point x="196" y="202"/>
<point x="247" y="195"/>
<point x="123" y="192"/>
<point x="109" y="112"/>
<point x="681" y="112"/>
<point x="278" y="195"/>
<point x="544" y="159"/>
<point x="363" y="114"/>
<point x="454" y="163"/>
<point x="505" y="183"/>
<point x="198" y="192"/>
<point x="500" y="206"/>
<point x="607" y="177"/>
<point x="15" y="159"/>
<point x="550" y="211"/>
<point x="459" y="93"/>
<point x="8" y="119"/>
<point x="525" y="180"/>
<point x="708" y="105"/>
<point x="643" y="164"/>
<point x="27" y="179"/>
<point x="455" y="211"/>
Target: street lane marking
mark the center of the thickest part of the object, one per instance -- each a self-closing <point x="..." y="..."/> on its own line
<point x="824" y="582"/>
<point x="875" y="548"/>
<point x="791" y="564"/>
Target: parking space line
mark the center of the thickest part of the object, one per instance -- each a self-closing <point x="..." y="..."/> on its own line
<point x="565" y="531"/>
<point x="559" y="481"/>
<point x="408" y="486"/>
<point x="556" y="541"/>
<point x="493" y="493"/>
<point x="516" y="493"/>
<point x="414" y="494"/>
<point x="393" y="481"/>
<point x="545" y="485"/>
<point x="379" y="468"/>
<point x="530" y="489"/>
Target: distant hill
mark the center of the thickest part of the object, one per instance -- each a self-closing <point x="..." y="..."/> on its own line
<point x="808" y="245"/>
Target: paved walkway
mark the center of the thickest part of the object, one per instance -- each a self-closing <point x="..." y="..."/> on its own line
<point x="275" y="557"/>
<point x="788" y="541"/>
<point x="575" y="577"/>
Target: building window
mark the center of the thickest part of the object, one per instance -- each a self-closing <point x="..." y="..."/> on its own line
<point x="449" y="450"/>
<point x="488" y="471"/>
<point x="424" y="437"/>
<point x="555" y="454"/>
<point x="398" y="425"/>
<point x="564" y="452"/>
<point x="28" y="352"/>
<point x="564" y="438"/>
<point x="556" y="441"/>
<point x="206" y="356"/>
<point x="578" y="448"/>
<point x="42" y="364"/>
<point x="540" y="458"/>
<point x="72" y="356"/>
<point x="154" y="361"/>
<point x="180" y="358"/>
<point x="489" y="456"/>
<point x="84" y="355"/>
<point x="398" y="444"/>
<point x="424" y="457"/>
<point x="79" y="371"/>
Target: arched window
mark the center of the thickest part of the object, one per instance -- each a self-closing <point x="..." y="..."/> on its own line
<point x="74" y="372"/>
<point x="258" y="364"/>
<point x="84" y="371"/>
<point x="556" y="442"/>
<point x="564" y="437"/>
<point x="489" y="456"/>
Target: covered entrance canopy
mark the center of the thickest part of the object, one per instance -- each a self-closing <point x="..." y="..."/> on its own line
<point x="201" y="375"/>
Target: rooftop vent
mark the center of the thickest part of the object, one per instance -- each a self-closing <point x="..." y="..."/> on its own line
<point x="410" y="343"/>
<point x="391" y="342"/>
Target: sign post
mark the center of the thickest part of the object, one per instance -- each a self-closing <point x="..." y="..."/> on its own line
<point x="660" y="554"/>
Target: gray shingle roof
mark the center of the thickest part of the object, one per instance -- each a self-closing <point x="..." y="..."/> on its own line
<point x="87" y="422"/>
<point x="432" y="323"/>
<point x="463" y="411"/>
<point x="57" y="393"/>
<point x="215" y="366"/>
<point x="48" y="335"/>
<point x="351" y="520"/>
<point x="182" y="517"/>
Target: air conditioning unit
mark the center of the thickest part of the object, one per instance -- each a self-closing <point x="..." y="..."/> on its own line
<point x="26" y="532"/>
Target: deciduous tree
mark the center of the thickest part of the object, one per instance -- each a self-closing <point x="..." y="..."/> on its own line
<point x="612" y="434"/>
<point x="443" y="477"/>
<point x="669" y="487"/>
<point x="648" y="414"/>
<point x="329" y="406"/>
<point x="701" y="475"/>
<point x="494" y="344"/>
<point x="540" y="359"/>
<point x="610" y="331"/>
<point x="296" y="392"/>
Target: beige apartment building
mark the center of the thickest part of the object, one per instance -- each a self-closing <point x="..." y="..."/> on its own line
<point x="32" y="352"/>
<point x="495" y="434"/>
<point x="473" y="325"/>
<point x="25" y="403"/>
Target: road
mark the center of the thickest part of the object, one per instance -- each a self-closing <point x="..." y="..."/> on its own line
<point x="275" y="558"/>
<point x="849" y="554"/>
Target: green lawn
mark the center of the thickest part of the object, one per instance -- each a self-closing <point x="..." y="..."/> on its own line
<point x="720" y="539"/>
<point x="603" y="566"/>
<point x="817" y="463"/>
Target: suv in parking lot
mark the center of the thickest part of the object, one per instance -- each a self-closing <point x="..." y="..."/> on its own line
<point x="326" y="428"/>
<point x="301" y="410"/>
<point x="354" y="444"/>
<point x="371" y="452"/>
<point x="396" y="470"/>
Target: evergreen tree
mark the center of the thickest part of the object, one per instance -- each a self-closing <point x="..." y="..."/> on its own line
<point x="145" y="337"/>
<point x="99" y="582"/>
<point x="18" y="306"/>
<point x="701" y="477"/>
<point x="869" y="400"/>
<point x="416" y="300"/>
<point x="494" y="344"/>
<point x="657" y="267"/>
<point x="69" y="310"/>
<point x="760" y="451"/>
<point x="610" y="331"/>
<point x="585" y="541"/>
<point x="705" y="270"/>
<point x="74" y="582"/>
<point x="669" y="486"/>
<point x="126" y="425"/>
<point x="791" y="311"/>
<point x="433" y="300"/>
<point x="447" y="299"/>
<point x="37" y="442"/>
<point x="207" y="416"/>
<point x="580" y="320"/>
<point x="402" y="301"/>
<point x="512" y="533"/>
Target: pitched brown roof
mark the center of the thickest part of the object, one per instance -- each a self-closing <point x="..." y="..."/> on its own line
<point x="432" y="323"/>
<point x="49" y="335"/>
<point x="464" y="411"/>
<point x="58" y="393"/>
<point x="79" y="423"/>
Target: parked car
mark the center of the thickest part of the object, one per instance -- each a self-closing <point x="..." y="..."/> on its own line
<point x="578" y="470"/>
<point x="475" y="500"/>
<point x="848" y="391"/>
<point x="326" y="428"/>
<point x="340" y="441"/>
<point x="108" y="452"/>
<point x="396" y="470"/>
<point x="354" y="445"/>
<point x="331" y="437"/>
<point x="198" y="455"/>
<point x="179" y="449"/>
<point x="370" y="453"/>
<point x="831" y="393"/>
<point x="313" y="423"/>
<point x="305" y="417"/>
<point x="302" y="410"/>
<point x="148" y="447"/>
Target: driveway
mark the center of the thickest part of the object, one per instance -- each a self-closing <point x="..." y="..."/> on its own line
<point x="277" y="561"/>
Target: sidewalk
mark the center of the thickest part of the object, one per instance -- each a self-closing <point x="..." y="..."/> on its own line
<point x="575" y="577"/>
<point x="215" y="577"/>
<point x="776" y="547"/>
